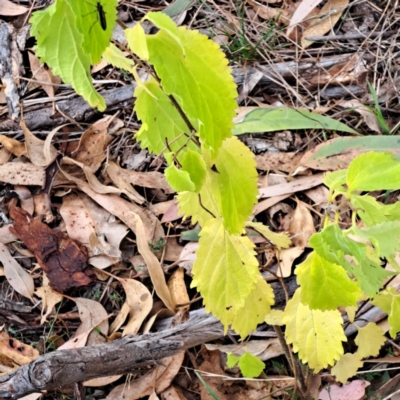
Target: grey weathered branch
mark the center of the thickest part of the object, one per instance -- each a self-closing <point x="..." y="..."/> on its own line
<point x="65" y="367"/>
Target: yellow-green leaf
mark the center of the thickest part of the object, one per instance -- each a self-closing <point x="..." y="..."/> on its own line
<point x="191" y="68"/>
<point x="389" y="302"/>
<point x="193" y="163"/>
<point x="280" y="240"/>
<point x="234" y="183"/>
<point x="136" y="38"/>
<point x="256" y="307"/>
<point x="114" y="56"/>
<point x="225" y="271"/>
<point x="347" y="367"/>
<point x="370" y="339"/>
<point x="316" y="335"/>
<point x="325" y="285"/>
<point x="373" y="171"/>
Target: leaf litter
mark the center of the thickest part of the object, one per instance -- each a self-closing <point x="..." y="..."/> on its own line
<point x="97" y="210"/>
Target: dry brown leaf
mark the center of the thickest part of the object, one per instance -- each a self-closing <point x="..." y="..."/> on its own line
<point x="177" y="288"/>
<point x="25" y="198"/>
<point x="43" y="209"/>
<point x="161" y="208"/>
<point x="6" y="236"/>
<point x="5" y="156"/>
<point x="156" y="380"/>
<point x="173" y="393"/>
<point x="173" y="250"/>
<point x="93" y="144"/>
<point x="153" y="265"/>
<point x="92" y="315"/>
<point x="35" y="148"/>
<point x="295" y="185"/>
<point x="60" y="257"/>
<point x="369" y="117"/>
<point x="20" y="280"/>
<point x="303" y="9"/>
<point x="49" y="298"/>
<point x="76" y="341"/>
<point x="328" y="20"/>
<point x="84" y="219"/>
<point x="117" y="177"/>
<point x="188" y="256"/>
<point x="301" y="225"/>
<point x="263" y="349"/>
<point x="268" y="13"/>
<point x="120" y="318"/>
<point x="268" y="203"/>
<point x="153" y="396"/>
<point x="13" y="146"/>
<point x="285" y="162"/>
<point x="103" y="381"/>
<point x="172" y="214"/>
<point x="150" y="179"/>
<point x="32" y="396"/>
<point x="20" y="173"/>
<point x="287" y="256"/>
<point x="10" y="9"/>
<point x="140" y="304"/>
<point x="18" y="352"/>
<point x="123" y="210"/>
<point x="43" y="75"/>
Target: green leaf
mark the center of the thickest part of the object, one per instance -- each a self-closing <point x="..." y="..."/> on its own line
<point x="372" y="212"/>
<point x="280" y="240"/>
<point x="385" y="237"/>
<point x="338" y="153"/>
<point x="114" y="56"/>
<point x="325" y="285"/>
<point x="310" y="330"/>
<point x="70" y="38"/>
<point x="332" y="245"/>
<point x="225" y="271"/>
<point x="335" y="180"/>
<point x="191" y="67"/>
<point x="161" y="122"/>
<point x="178" y="179"/>
<point x="389" y="302"/>
<point x="232" y="360"/>
<point x="250" y="366"/>
<point x="373" y="171"/>
<point x="277" y="119"/>
<point x="234" y="163"/>
<point x="193" y="163"/>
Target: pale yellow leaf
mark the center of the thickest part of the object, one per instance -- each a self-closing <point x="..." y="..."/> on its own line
<point x="274" y="317"/>
<point x="347" y="367"/>
<point x="120" y="318"/>
<point x="370" y="339"/>
<point x="316" y="335"/>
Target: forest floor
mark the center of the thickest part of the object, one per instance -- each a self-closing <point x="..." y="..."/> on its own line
<point x="339" y="59"/>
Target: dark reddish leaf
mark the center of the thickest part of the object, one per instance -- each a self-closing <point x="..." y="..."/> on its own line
<point x="60" y="257"/>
